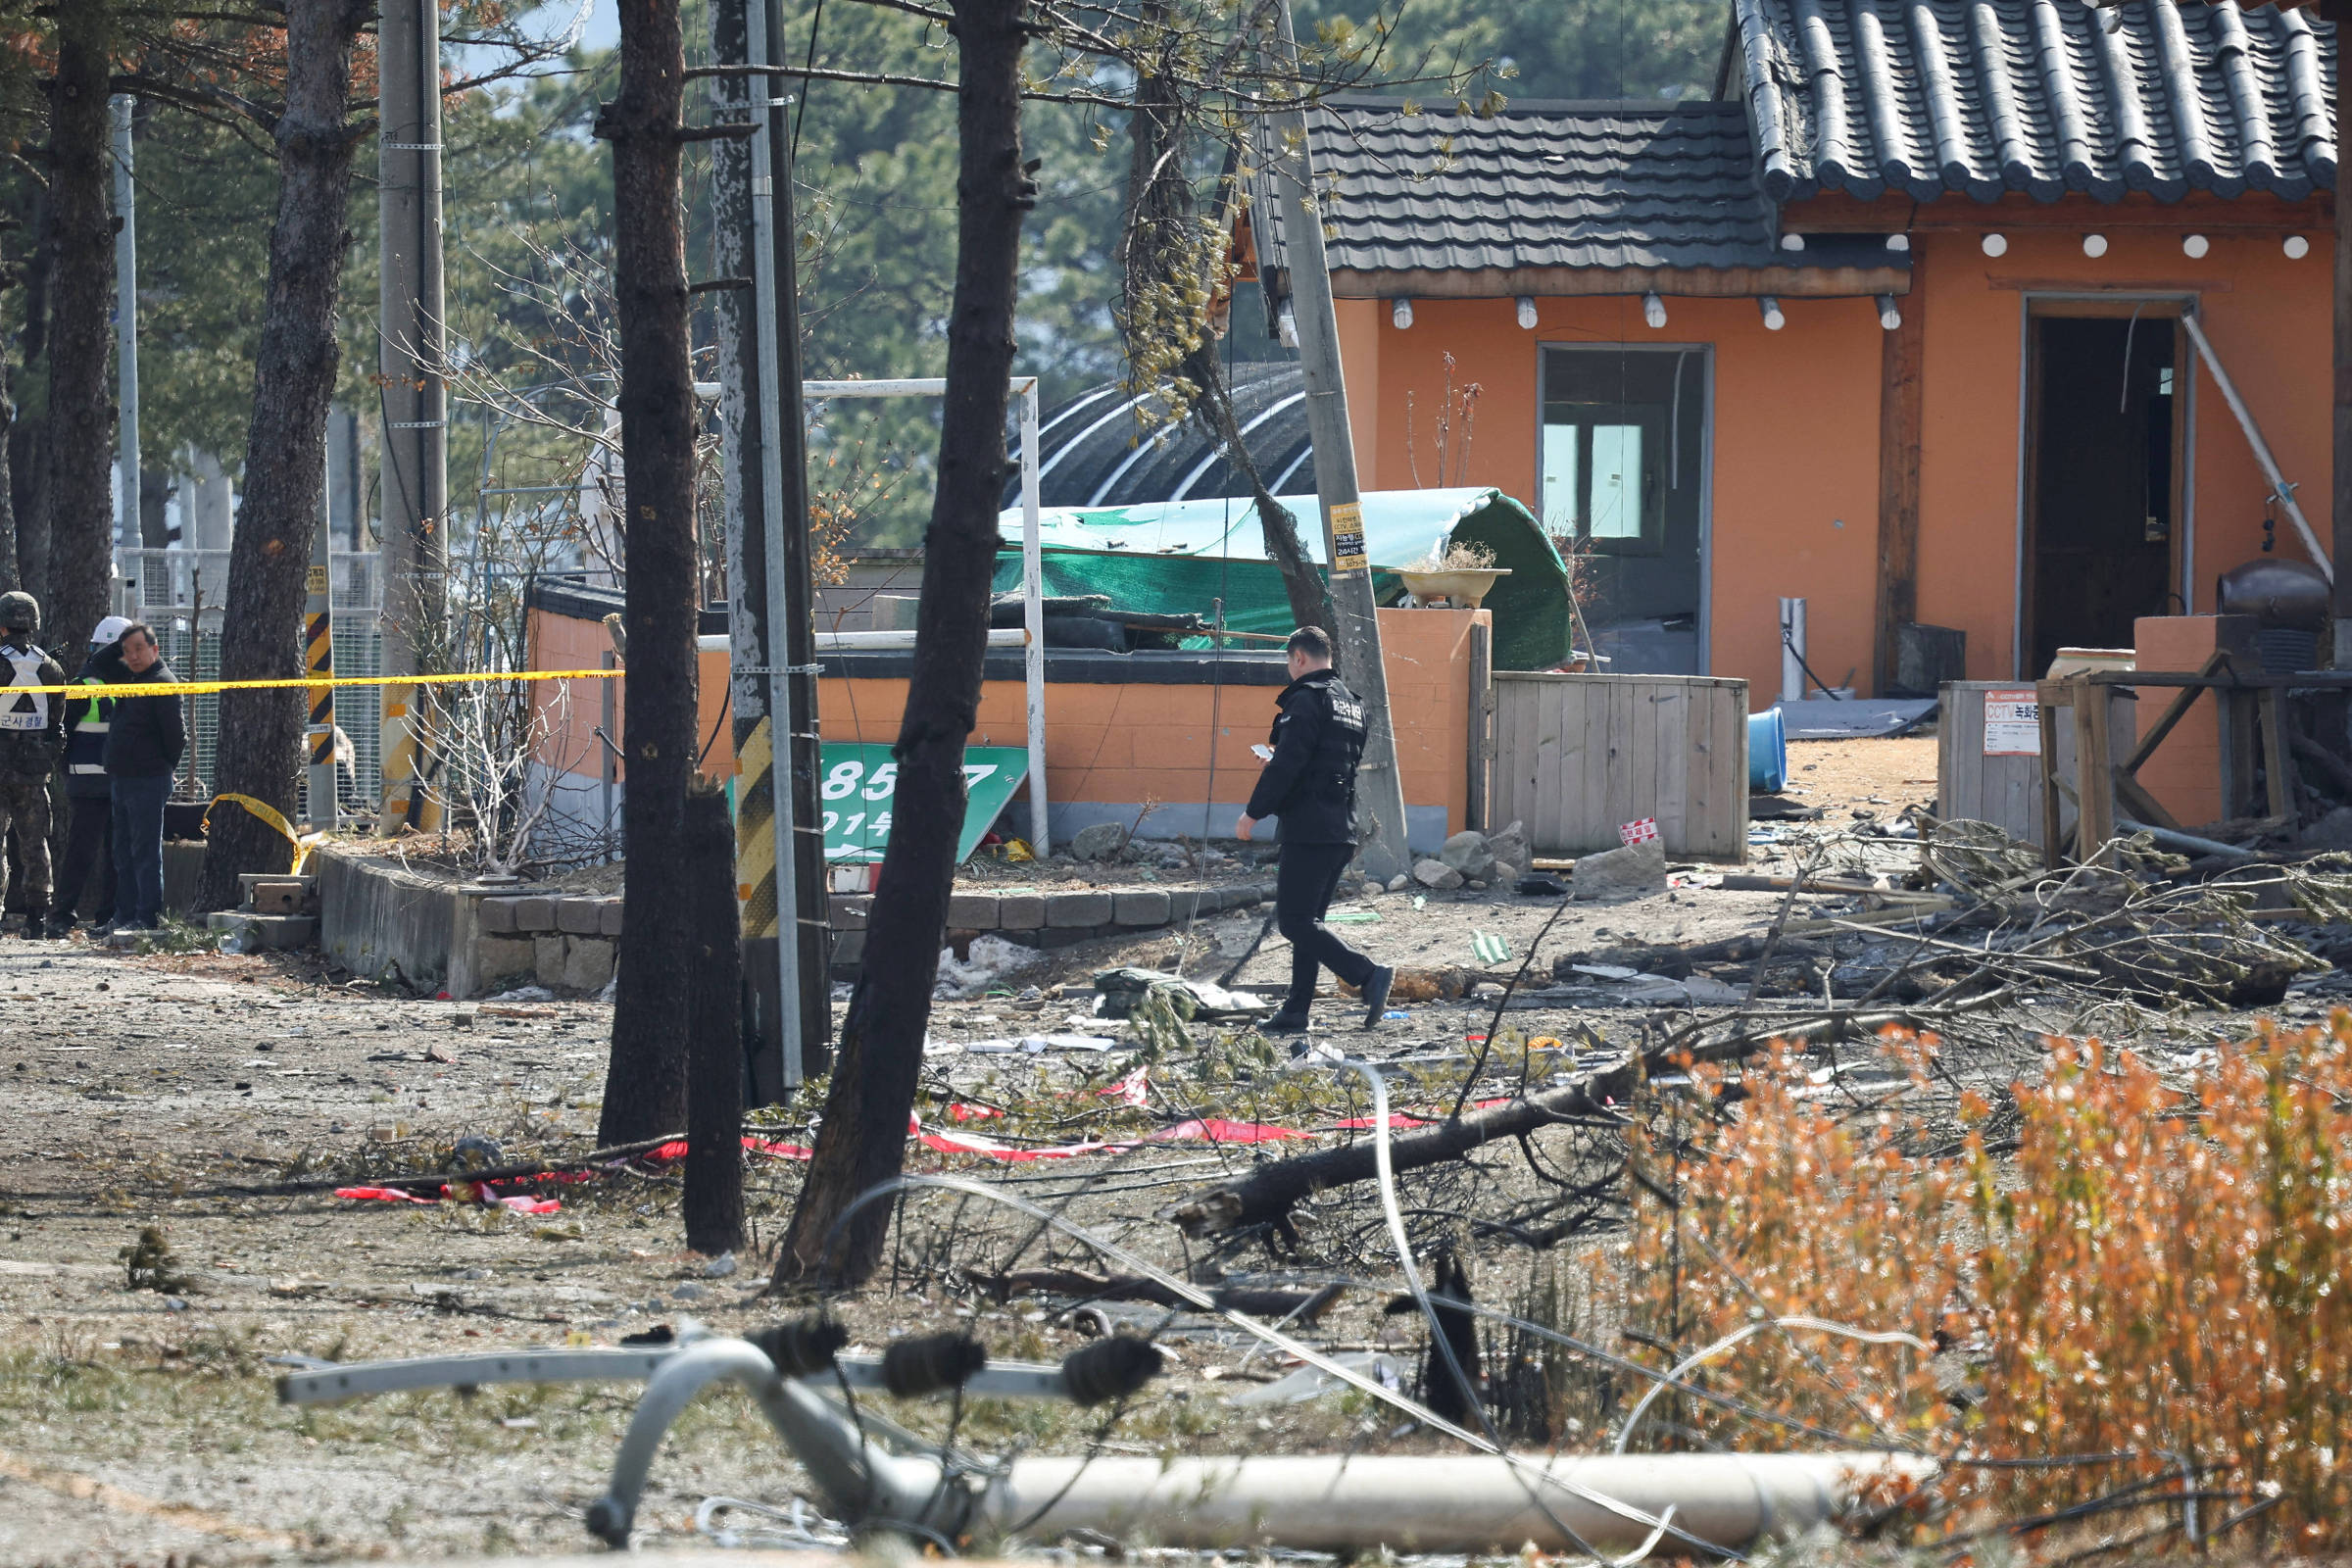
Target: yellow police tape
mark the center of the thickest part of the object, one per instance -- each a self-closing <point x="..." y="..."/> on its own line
<point x="268" y="814"/>
<point x="202" y="688"/>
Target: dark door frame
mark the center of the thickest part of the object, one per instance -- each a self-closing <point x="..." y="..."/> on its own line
<point x="2152" y="306"/>
<point x="1705" y="351"/>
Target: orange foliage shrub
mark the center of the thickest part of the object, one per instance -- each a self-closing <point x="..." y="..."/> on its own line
<point x="2159" y="1270"/>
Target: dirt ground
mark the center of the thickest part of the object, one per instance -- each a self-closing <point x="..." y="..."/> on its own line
<point x="139" y="1425"/>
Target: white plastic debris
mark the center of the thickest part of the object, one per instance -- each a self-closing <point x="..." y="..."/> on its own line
<point x="992" y="960"/>
<point x="1309" y="1382"/>
<point x="525" y="994"/>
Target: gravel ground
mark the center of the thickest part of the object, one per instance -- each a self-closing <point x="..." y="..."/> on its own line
<point x="139" y="1425"/>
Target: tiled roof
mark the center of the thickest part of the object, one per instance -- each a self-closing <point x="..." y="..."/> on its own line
<point x="1540" y="185"/>
<point x="1979" y="97"/>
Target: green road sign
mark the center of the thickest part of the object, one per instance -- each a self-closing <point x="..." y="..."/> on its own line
<point x="859" y="782"/>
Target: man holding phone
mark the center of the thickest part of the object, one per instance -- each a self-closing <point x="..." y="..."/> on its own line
<point x="1310" y="783"/>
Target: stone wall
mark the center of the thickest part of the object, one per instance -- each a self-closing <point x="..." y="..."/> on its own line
<point x="565" y="943"/>
<point x="1052" y="920"/>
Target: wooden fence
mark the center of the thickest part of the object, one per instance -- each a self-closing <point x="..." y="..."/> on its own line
<point x="2003" y="786"/>
<point x="1576" y="757"/>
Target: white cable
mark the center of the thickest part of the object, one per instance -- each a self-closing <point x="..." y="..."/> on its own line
<point x="1748" y="1331"/>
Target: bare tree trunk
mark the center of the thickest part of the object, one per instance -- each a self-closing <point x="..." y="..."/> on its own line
<point x="81" y="414"/>
<point x="1212" y="409"/>
<point x="644" y="1082"/>
<point x="11" y="577"/>
<point x="28" y="439"/>
<point x="1162" y="254"/>
<point x="261" y="750"/>
<point x="864" y="1138"/>
<point x="714" y="1205"/>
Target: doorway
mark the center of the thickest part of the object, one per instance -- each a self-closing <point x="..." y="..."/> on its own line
<point x="1622" y="491"/>
<point x="2104" y="440"/>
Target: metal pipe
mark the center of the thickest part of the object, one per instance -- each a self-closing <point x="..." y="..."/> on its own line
<point x="1442" y="1503"/>
<point x="2279" y="488"/>
<point x="842" y="641"/>
<point x="1033" y="619"/>
<point x="1792" y="650"/>
<point x="126" y="339"/>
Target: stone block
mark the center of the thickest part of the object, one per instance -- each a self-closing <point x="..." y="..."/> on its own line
<point x="578" y="918"/>
<point x="496" y="916"/>
<point x="1067" y="909"/>
<point x="1099" y="841"/>
<point x="972" y="911"/>
<point x="587" y="962"/>
<point x="547" y="966"/>
<point x="1140" y="908"/>
<point x="534" y="914"/>
<point x="1467" y="852"/>
<point x="498" y="960"/>
<point x="1631" y="873"/>
<point x="1020" y="911"/>
<point x="608" y="917"/>
<point x="1437" y="874"/>
<point x="849" y="911"/>
<point x="1185" y="902"/>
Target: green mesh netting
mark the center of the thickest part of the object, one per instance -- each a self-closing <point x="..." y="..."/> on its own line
<point x="1532" y="623"/>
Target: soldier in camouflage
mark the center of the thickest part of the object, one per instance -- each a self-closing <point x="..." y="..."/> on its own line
<point x="33" y="726"/>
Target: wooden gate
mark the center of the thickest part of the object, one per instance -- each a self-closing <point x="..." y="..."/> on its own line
<point x="1576" y="757"/>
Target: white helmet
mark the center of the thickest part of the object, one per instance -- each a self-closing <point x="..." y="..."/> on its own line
<point x="109" y="630"/>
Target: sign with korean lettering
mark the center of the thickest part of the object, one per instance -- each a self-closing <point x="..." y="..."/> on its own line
<point x="857" y="785"/>
<point x="2011" y="724"/>
<point x="1642" y="830"/>
<point x="1348" y="537"/>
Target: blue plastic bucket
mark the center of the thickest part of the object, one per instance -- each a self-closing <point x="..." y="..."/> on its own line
<point x="1767" y="751"/>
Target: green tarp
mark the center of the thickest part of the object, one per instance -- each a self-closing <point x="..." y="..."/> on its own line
<point x="1182" y="556"/>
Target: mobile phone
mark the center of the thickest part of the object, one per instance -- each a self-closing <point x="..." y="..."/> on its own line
<point x="1262" y="752"/>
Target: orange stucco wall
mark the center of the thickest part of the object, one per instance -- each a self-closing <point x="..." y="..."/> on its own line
<point x="571" y="711"/>
<point x="1141" y="744"/>
<point x="1132" y="743"/>
<point x="1794" y="435"/>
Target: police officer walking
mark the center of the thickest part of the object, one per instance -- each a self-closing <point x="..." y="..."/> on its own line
<point x="1318" y="738"/>
<point x="33" y="729"/>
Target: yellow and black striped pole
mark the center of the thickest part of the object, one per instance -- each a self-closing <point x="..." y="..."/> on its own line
<point x="319" y="659"/>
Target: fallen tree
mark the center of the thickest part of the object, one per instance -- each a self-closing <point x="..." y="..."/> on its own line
<point x="1267" y="1193"/>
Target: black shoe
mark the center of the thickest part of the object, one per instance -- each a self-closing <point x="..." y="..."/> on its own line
<point x="1285" y="1022"/>
<point x="1376" y="995"/>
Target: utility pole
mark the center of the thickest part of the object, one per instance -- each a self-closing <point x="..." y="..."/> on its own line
<point x="1379" y="788"/>
<point x="126" y="344"/>
<point x="318" y="650"/>
<point x="772" y="688"/>
<point x="416" y="400"/>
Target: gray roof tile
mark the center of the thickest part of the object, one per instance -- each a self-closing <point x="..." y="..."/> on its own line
<point x="1981" y="97"/>
<point x="1538" y="185"/>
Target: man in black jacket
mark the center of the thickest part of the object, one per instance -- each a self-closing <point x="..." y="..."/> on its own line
<point x="1310" y="783"/>
<point x="89" y="839"/>
<point x="143" y="746"/>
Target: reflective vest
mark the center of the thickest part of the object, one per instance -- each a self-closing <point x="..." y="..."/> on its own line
<point x="24" y="710"/>
<point x="87" y="719"/>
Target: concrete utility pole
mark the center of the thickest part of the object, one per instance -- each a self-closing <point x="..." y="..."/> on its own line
<point x="1379" y="790"/>
<point x="416" y="400"/>
<point x="318" y="653"/>
<point x="779" y="848"/>
<point x="126" y="344"/>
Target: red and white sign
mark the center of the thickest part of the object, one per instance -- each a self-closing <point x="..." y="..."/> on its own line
<point x="1645" y="831"/>
<point x="2011" y="724"/>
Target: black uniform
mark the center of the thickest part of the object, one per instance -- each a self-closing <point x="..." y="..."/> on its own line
<point x="1318" y="738"/>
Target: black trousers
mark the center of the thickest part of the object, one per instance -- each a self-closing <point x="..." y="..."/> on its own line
<point x="1309" y="876"/>
<point x="89" y="845"/>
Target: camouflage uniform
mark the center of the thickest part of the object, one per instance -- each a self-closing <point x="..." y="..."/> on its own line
<point x="31" y="739"/>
